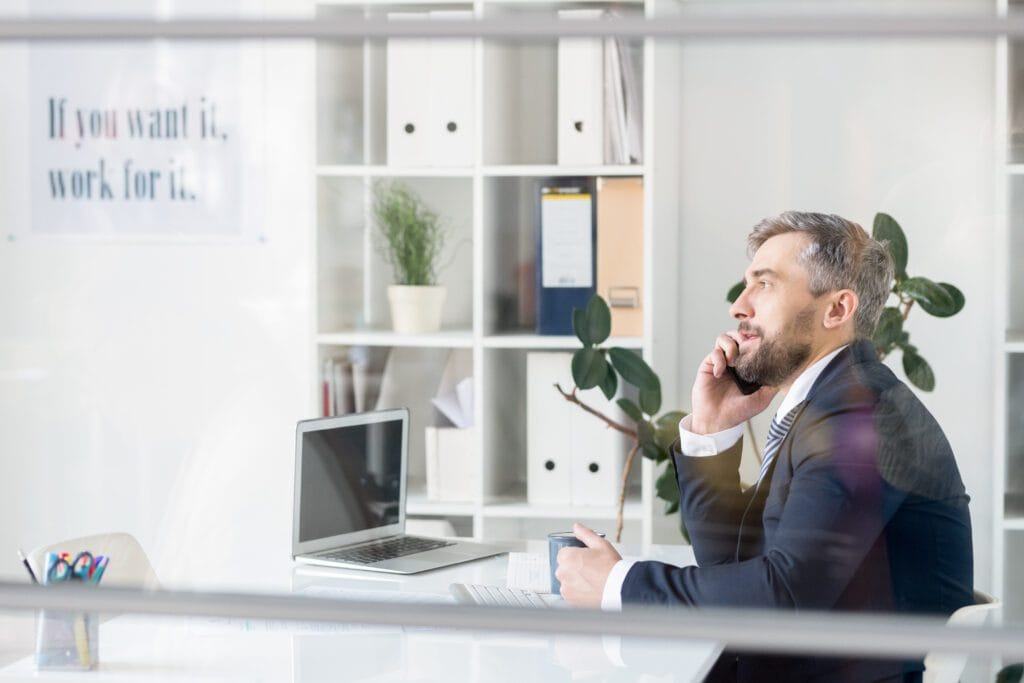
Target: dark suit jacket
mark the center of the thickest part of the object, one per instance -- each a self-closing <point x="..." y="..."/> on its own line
<point x="863" y="509"/>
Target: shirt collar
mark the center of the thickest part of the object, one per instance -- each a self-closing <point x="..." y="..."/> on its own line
<point x="798" y="392"/>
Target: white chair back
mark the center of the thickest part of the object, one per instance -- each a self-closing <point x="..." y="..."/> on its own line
<point x="942" y="667"/>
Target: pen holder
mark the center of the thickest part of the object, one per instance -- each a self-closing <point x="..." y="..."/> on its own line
<point x="67" y="640"/>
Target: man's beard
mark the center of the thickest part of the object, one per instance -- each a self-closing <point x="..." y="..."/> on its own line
<point x="778" y="358"/>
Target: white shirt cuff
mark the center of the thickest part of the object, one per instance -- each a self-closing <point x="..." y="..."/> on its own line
<point x="611" y="599"/>
<point x="702" y="445"/>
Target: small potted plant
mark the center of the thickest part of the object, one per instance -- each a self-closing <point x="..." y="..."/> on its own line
<point x="411" y="241"/>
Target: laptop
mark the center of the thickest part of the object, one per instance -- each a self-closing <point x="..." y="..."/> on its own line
<point x="350" y="488"/>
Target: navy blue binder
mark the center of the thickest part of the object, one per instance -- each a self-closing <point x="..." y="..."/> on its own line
<point x="566" y="254"/>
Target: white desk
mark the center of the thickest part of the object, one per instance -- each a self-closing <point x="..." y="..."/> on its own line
<point x="173" y="649"/>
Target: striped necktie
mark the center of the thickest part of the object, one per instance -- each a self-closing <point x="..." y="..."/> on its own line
<point x="776" y="433"/>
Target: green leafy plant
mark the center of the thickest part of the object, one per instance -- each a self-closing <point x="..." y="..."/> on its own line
<point x="940" y="299"/>
<point x="608" y="369"/>
<point x="412" y="234"/>
<point x="1010" y="674"/>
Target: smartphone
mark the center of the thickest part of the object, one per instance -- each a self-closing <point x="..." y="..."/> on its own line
<point x="746" y="388"/>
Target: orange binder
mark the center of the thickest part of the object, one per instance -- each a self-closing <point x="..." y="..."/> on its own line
<point x="620" y="252"/>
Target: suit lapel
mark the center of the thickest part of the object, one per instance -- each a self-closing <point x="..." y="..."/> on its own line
<point x="751" y="529"/>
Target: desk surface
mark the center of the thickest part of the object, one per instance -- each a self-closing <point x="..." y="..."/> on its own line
<point x="134" y="648"/>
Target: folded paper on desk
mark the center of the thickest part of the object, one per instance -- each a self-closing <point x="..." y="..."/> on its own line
<point x="529" y="572"/>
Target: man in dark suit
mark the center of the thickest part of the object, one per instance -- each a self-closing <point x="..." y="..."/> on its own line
<point x="859" y="504"/>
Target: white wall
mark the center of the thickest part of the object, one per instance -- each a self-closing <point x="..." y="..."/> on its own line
<point x="851" y="128"/>
<point x="154" y="387"/>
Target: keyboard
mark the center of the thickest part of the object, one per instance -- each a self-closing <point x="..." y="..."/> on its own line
<point x="495" y="596"/>
<point x="378" y="551"/>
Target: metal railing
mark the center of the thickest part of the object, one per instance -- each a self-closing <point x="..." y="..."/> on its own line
<point x="776" y="631"/>
<point x="527" y="25"/>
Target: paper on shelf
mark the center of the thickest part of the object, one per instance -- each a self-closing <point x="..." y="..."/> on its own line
<point x="455" y="393"/>
<point x="464" y="394"/>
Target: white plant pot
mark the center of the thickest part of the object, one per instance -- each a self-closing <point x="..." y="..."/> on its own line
<point x="416" y="309"/>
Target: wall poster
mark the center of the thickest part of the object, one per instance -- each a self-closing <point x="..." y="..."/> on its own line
<point x="147" y="139"/>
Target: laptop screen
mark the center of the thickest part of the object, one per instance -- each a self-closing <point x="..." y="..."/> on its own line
<point x="351" y="479"/>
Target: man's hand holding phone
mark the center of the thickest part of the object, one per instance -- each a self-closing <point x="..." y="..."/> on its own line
<point x="717" y="399"/>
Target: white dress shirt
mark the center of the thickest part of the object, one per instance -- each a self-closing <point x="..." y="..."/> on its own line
<point x="702" y="445"/>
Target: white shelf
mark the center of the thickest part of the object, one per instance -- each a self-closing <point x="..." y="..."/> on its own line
<point x="1015" y="169"/>
<point x="456" y="339"/>
<point x="417" y="504"/>
<point x="527" y="171"/>
<point x="1013" y="524"/>
<point x="379" y="3"/>
<point x="1014" y="342"/>
<point x="539" y="341"/>
<point x="518" y="508"/>
<point x="491" y="204"/>
<point x="512" y="171"/>
<point x="362" y="171"/>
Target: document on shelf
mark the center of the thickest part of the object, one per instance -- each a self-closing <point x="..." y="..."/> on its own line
<point x="567" y="248"/>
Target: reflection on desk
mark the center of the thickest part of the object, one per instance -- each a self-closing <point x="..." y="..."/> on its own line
<point x="138" y="648"/>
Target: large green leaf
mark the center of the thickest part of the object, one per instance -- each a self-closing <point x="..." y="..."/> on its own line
<point x="667" y="428"/>
<point x="610" y="384"/>
<point x="599" y="320"/>
<point x="890" y="327"/>
<point x="932" y="297"/>
<point x="918" y="371"/>
<point x="887" y="229"/>
<point x="646" y="435"/>
<point x="650" y="398"/>
<point x="958" y="300"/>
<point x="667" y="488"/>
<point x="633" y="369"/>
<point x="630" y="408"/>
<point x="1012" y="673"/>
<point x="735" y="291"/>
<point x="588" y="368"/>
<point x="593" y="324"/>
<point x="670" y="419"/>
<point x="580" y="326"/>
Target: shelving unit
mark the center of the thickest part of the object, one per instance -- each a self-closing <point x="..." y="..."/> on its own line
<point x="1008" y="465"/>
<point x="490" y="210"/>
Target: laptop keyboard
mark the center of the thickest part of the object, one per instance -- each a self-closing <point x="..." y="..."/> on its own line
<point x="386" y="550"/>
<point x="500" y="596"/>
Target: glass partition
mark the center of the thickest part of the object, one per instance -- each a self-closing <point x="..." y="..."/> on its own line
<point x="213" y="215"/>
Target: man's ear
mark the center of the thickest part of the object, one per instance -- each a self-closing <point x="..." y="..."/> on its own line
<point x="841" y="306"/>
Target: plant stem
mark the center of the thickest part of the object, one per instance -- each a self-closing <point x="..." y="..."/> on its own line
<point x="908" y="303"/>
<point x="622" y="490"/>
<point x="572" y="398"/>
<point x="753" y="442"/>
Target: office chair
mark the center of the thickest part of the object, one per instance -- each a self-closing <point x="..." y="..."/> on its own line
<point x="128" y="565"/>
<point x="942" y="667"/>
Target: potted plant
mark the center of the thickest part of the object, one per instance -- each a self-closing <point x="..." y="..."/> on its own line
<point x="411" y="239"/>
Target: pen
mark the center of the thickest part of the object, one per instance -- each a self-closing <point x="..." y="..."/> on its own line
<point x="24" y="561"/>
<point x="82" y="641"/>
